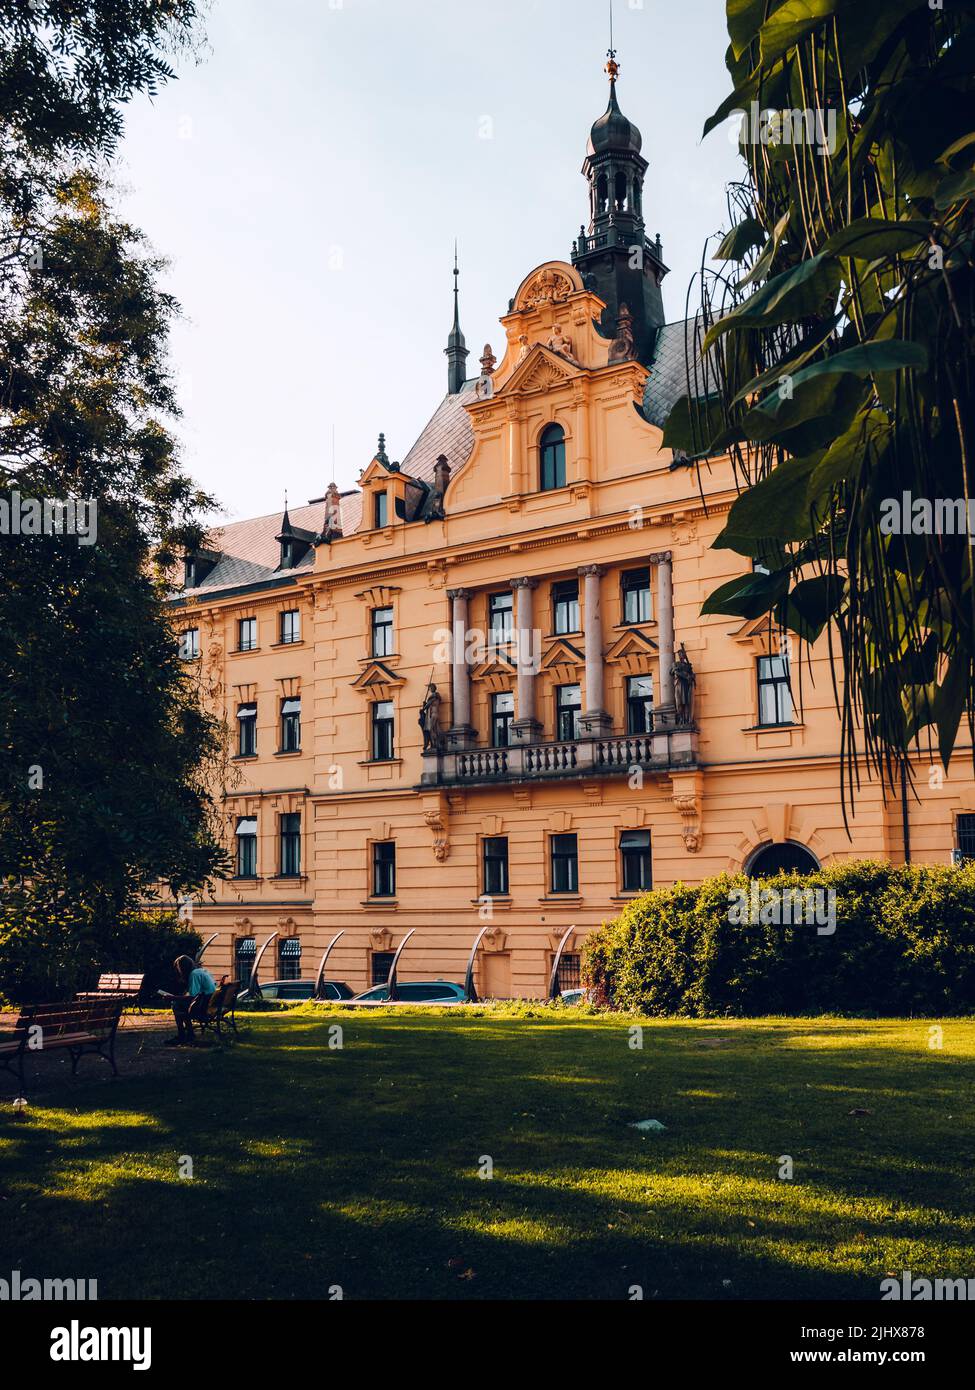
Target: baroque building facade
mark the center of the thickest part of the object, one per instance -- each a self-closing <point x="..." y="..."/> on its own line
<point x="478" y="693"/>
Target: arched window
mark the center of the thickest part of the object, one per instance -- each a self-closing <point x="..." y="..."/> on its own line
<point x="621" y="192"/>
<point x="552" y="458"/>
<point x="789" y="858"/>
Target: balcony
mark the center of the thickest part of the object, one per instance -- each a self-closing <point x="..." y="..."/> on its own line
<point x="612" y="755"/>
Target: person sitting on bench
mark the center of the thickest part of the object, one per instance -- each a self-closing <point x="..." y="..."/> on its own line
<point x="193" y="1003"/>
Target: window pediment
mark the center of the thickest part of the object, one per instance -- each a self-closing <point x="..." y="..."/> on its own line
<point x="378" y="681"/>
<point x="634" y="652"/>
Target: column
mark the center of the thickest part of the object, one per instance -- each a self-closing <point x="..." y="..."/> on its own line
<point x="595" y="720"/>
<point x="664" y="700"/>
<point x="525" y="728"/>
<point x="460" y="735"/>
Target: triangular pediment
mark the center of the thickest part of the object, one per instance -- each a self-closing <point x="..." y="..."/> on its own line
<point x="758" y="633"/>
<point x="377" y="679"/>
<point x="632" y="642"/>
<point x="561" y="654"/>
<point x="494" y="664"/>
<point x="539" y="371"/>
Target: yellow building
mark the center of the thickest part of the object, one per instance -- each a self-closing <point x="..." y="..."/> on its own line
<point x="540" y="559"/>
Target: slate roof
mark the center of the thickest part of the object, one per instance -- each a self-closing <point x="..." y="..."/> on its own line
<point x="673" y="351"/>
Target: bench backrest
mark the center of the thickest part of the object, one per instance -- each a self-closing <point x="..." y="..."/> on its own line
<point x="115" y="983"/>
<point x="97" y="1019"/>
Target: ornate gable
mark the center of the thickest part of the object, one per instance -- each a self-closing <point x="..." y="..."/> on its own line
<point x="540" y="370"/>
<point x="497" y="671"/>
<point x="563" y="661"/>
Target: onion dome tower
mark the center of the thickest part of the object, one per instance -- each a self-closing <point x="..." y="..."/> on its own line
<point x="613" y="255"/>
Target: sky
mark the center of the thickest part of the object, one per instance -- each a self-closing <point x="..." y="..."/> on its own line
<point x="307" y="174"/>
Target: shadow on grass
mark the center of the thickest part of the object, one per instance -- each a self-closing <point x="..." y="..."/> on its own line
<point x="359" y="1167"/>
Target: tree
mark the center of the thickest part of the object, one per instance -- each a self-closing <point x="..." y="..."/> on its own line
<point x="837" y="363"/>
<point x="107" y="749"/>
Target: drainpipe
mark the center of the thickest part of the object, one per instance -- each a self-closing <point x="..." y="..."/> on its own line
<point x="905" y="816"/>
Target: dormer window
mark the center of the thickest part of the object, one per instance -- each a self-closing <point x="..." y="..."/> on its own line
<point x="552" y="459"/>
<point x="380" y="510"/>
<point x="287" y="555"/>
<point x="197" y="565"/>
<point x="189" y="572"/>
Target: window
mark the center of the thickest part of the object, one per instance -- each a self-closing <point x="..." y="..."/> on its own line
<point x="552" y="458"/>
<point x="965" y="830"/>
<point x="383" y="871"/>
<point x="500" y="618"/>
<point x="635" y="854"/>
<point x="639" y="704"/>
<point x="565" y="607"/>
<point x="382" y="963"/>
<point x="382" y="632"/>
<point x="502" y="714"/>
<point x="495" y="850"/>
<point x="247" y="847"/>
<point x="636" y="596"/>
<point x="289" y="958"/>
<point x="565" y="864"/>
<point x="570" y="971"/>
<point x="568" y="707"/>
<point x="287" y="555"/>
<point x="246" y="731"/>
<point x="245" y="951"/>
<point x="189" y="572"/>
<point x="774" y="695"/>
<point x="291" y="725"/>
<point x="380" y="510"/>
<point x="290" y="626"/>
<point x="247" y="635"/>
<point x="382" y="731"/>
<point x="189" y="644"/>
<point x="291" y="845"/>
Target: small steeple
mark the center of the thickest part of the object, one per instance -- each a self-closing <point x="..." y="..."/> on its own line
<point x="456" y="349"/>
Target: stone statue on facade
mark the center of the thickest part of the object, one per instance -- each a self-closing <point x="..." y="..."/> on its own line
<point x="684" y="681"/>
<point x="441" y="478"/>
<point x="560" y="343"/>
<point x="429" y="721"/>
<point x="622" y="347"/>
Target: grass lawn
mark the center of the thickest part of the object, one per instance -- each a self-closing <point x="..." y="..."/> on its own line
<point x="359" y="1167"/>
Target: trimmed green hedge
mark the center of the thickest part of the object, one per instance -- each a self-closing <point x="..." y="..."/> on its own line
<point x="904" y="944"/>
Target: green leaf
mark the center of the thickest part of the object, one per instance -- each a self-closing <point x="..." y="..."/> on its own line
<point x="949" y="703"/>
<point x="790" y="22"/>
<point x="748" y="595"/>
<point x="956" y="188"/>
<point x="740" y="240"/>
<point x="811" y="605"/>
<point x="868" y="238"/>
<point x="866" y="359"/>
<point x="796" y="293"/>
<point x="745" y="18"/>
<point x="693" y="425"/>
<point x="775" y="507"/>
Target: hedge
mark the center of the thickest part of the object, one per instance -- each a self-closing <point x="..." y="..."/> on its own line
<point x="903" y="945"/>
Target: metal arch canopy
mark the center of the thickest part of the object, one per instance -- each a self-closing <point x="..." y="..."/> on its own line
<point x="320" y="979"/>
<point x="554" y="989"/>
<point x="252" y="984"/>
<point x="209" y="942"/>
<point x="470" y="993"/>
<point x="391" y="977"/>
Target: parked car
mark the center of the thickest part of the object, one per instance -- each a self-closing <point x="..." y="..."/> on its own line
<point x="414" y="992"/>
<point x="295" y="990"/>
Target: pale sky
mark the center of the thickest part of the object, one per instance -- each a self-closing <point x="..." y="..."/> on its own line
<point x="306" y="179"/>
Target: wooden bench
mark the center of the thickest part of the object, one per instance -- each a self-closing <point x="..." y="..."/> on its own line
<point x="76" y="1028"/>
<point x="220" y="1010"/>
<point x="113" y="985"/>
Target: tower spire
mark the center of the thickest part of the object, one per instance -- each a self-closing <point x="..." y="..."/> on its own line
<point x="456" y="349"/>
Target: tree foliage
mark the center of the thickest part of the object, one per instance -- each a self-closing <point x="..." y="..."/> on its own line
<point x="107" y="750"/>
<point x="834" y="350"/>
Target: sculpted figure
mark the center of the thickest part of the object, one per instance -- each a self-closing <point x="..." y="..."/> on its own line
<point x="429" y="720"/>
<point x="684" y="681"/>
